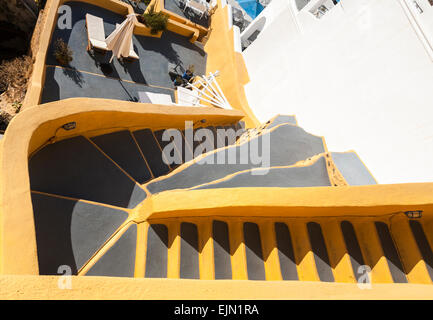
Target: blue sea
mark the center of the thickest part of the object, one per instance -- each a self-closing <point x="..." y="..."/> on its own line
<point x="251" y="7"/>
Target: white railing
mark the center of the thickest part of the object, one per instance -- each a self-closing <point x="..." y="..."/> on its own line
<point x="207" y="89"/>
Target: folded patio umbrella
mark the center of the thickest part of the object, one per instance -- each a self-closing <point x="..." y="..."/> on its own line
<point x="119" y="41"/>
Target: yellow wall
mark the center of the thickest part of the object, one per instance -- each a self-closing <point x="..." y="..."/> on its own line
<point x="222" y="57"/>
<point x="46" y="287"/>
<point x="35" y="125"/>
<point x="183" y="30"/>
<point x="159" y="6"/>
<point x="295" y="202"/>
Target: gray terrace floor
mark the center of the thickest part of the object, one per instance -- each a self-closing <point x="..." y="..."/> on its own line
<point x="177" y="6"/>
<point x="85" y="76"/>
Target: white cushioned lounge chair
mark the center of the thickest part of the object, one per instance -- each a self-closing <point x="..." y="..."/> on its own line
<point x="95" y="32"/>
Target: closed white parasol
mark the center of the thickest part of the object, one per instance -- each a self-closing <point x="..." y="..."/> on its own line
<point x="120" y="40"/>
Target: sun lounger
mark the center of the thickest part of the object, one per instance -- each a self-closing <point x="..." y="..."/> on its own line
<point x="187" y="97"/>
<point x="132" y="53"/>
<point x="155" y="98"/>
<point x="95" y="32"/>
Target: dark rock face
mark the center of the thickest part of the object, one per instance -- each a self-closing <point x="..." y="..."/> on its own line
<point x="17" y="21"/>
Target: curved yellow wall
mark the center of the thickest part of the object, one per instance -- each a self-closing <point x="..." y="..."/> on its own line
<point x="295" y="202"/>
<point x="36" y="126"/>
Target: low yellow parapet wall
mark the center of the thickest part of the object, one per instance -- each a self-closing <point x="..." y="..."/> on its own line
<point x="47" y="287"/>
<point x="178" y="24"/>
<point x="199" y="31"/>
<point x="354" y="201"/>
<point x="182" y="29"/>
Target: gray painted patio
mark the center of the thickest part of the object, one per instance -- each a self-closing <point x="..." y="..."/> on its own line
<point x="85" y="76"/>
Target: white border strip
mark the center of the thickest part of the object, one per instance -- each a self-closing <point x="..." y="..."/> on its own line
<point x="230" y="15"/>
<point x="237" y="39"/>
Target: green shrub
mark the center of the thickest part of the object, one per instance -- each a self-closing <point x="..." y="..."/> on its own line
<point x="156" y="21"/>
<point x="62" y="52"/>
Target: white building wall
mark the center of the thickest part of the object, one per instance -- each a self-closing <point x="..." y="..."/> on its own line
<point x="271" y="13"/>
<point x="360" y="76"/>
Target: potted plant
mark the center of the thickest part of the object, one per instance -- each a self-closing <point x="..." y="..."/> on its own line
<point x="191" y="68"/>
<point x="62" y="52"/>
<point x="156" y="21"/>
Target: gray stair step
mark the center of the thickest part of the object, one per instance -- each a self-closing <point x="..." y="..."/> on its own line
<point x="280" y="119"/>
<point x="315" y="175"/>
<point x="151" y="151"/>
<point x="320" y="252"/>
<point x="176" y="152"/>
<point x="157" y="251"/>
<point x="77" y="169"/>
<point x="119" y="260"/>
<point x="288" y="144"/>
<point x="121" y="147"/>
<point x="353" y="170"/>
<point x="70" y="232"/>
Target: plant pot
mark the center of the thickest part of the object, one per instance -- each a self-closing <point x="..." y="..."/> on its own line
<point x="63" y="62"/>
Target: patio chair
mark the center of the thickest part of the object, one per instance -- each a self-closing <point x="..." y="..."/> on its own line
<point x="197" y="7"/>
<point x="95" y="33"/>
<point x="155" y="98"/>
<point x="132" y="53"/>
